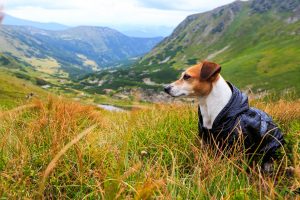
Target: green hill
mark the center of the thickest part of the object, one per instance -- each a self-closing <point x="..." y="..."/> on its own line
<point x="19" y="83"/>
<point x="15" y="91"/>
<point x="257" y="43"/>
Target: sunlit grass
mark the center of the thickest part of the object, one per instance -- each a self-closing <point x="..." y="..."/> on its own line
<point x="48" y="149"/>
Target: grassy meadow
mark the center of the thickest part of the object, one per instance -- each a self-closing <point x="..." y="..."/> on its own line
<point x="61" y="149"/>
<point x="13" y="91"/>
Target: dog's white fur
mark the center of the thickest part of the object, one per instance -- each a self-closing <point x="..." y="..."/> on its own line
<point x="184" y="89"/>
<point x="212" y="104"/>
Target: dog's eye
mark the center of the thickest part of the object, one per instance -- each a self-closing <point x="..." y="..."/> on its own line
<point x="186" y="77"/>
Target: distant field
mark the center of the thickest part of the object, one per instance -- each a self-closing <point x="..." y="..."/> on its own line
<point x="61" y="149"/>
<point x="48" y="65"/>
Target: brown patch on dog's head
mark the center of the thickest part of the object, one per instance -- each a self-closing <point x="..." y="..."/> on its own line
<point x="210" y="71"/>
<point x="205" y="74"/>
<point x="196" y="80"/>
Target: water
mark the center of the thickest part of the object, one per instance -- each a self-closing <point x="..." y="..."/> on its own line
<point x="110" y="108"/>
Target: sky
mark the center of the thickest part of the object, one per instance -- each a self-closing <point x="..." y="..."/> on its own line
<point x="109" y="12"/>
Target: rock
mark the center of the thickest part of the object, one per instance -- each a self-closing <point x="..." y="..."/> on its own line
<point x="30" y="95"/>
<point x="219" y="28"/>
<point x="45" y="86"/>
<point x="107" y="91"/>
<point x="144" y="153"/>
<point x="261" y="6"/>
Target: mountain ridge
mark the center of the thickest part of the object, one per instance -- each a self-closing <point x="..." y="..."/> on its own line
<point x="140" y="31"/>
<point x="11" y="20"/>
<point x="74" y="51"/>
<point x="252" y="40"/>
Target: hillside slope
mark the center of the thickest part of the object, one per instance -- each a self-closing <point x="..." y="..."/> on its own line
<point x="19" y="82"/>
<point x="15" y="91"/>
<point x="74" y="51"/>
<point x="257" y="43"/>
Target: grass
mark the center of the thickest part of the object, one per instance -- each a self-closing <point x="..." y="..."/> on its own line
<point x="47" y="65"/>
<point x="60" y="149"/>
<point x="13" y="91"/>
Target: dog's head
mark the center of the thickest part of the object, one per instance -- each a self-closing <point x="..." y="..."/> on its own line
<point x="195" y="81"/>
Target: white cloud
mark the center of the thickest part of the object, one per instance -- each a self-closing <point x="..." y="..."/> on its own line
<point x="190" y="5"/>
<point x="48" y="4"/>
<point x="109" y="12"/>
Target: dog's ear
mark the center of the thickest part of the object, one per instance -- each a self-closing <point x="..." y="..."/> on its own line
<point x="209" y="70"/>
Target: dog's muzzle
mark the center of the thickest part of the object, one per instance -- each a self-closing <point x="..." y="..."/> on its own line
<point x="167" y="89"/>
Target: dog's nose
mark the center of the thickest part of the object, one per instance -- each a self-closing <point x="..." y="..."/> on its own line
<point x="167" y="89"/>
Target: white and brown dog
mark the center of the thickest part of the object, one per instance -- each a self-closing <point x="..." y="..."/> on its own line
<point x="204" y="81"/>
<point x="224" y="112"/>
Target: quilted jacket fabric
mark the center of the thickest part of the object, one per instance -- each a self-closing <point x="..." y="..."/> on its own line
<point x="260" y="134"/>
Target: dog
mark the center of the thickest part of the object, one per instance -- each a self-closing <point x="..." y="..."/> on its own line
<point x="225" y="115"/>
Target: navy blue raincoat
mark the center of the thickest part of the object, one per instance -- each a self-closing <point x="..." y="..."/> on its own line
<point x="260" y="134"/>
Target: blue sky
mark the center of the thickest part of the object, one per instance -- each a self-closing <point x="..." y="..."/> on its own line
<point x="109" y="12"/>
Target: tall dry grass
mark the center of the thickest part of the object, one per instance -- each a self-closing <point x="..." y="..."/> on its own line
<point x="152" y="153"/>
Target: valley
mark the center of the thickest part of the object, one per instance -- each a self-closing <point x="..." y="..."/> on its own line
<point x="72" y="52"/>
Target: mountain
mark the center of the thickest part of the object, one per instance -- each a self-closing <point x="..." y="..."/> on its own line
<point x="74" y="51"/>
<point x="10" y="20"/>
<point x="257" y="43"/>
<point x="129" y="30"/>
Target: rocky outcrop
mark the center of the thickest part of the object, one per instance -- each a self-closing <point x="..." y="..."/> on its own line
<point x="261" y="6"/>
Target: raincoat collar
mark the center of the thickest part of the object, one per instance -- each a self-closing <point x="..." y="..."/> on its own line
<point x="225" y="120"/>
